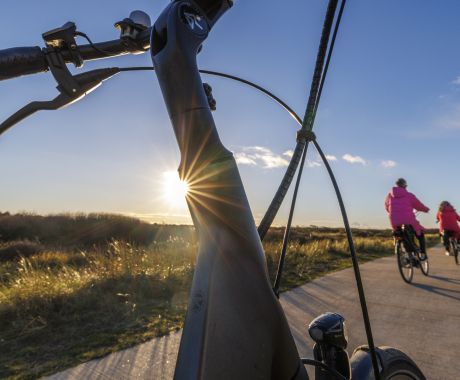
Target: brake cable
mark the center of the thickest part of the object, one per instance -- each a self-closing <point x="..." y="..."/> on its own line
<point x="86" y="37"/>
<point x="99" y="75"/>
<point x="312" y="138"/>
<point x="325" y="367"/>
<point x="357" y="273"/>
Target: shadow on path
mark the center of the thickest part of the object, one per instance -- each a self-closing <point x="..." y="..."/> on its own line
<point x="438" y="290"/>
<point x="446" y="279"/>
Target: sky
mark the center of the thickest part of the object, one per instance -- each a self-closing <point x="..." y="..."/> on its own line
<point x="390" y="108"/>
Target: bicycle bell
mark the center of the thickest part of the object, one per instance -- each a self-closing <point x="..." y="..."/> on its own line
<point x="130" y="27"/>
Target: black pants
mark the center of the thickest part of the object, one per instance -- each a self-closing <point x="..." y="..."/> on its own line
<point x="421" y="242"/>
<point x="445" y="238"/>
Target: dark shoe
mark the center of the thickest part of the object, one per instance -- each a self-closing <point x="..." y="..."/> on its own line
<point x="423" y="256"/>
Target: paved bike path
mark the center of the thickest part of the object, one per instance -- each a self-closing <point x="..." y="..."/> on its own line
<point x="422" y="319"/>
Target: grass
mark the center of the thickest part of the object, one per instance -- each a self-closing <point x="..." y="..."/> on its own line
<point x="58" y="309"/>
<point x="63" y="306"/>
<point x="305" y="262"/>
<point x="85" y="230"/>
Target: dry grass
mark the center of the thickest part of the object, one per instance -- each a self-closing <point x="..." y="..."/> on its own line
<point x="305" y="262"/>
<point x="58" y="309"/>
<point x="16" y="249"/>
<point x="85" y="230"/>
<point x="61" y="307"/>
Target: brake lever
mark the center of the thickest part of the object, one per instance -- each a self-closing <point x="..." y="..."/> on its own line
<point x="60" y="101"/>
<point x="85" y="83"/>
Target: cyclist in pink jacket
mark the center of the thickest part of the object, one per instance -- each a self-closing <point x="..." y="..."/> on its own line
<point x="400" y="206"/>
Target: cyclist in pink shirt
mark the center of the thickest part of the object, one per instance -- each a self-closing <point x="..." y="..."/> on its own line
<point x="448" y="223"/>
<point x="400" y="205"/>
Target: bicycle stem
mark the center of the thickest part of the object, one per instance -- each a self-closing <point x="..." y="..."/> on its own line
<point x="235" y="326"/>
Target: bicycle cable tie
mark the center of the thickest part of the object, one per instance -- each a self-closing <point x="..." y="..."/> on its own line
<point x="305" y="135"/>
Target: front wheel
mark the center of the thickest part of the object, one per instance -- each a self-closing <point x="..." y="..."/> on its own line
<point x="399" y="366"/>
<point x="404" y="262"/>
<point x="395" y="365"/>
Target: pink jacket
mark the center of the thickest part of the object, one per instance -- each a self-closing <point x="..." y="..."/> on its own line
<point x="400" y="205"/>
<point x="448" y="219"/>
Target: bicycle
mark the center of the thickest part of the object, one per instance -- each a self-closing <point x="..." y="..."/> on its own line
<point x="408" y="253"/>
<point x="451" y="243"/>
<point x="235" y="327"/>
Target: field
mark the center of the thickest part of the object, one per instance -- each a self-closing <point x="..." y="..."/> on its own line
<point x="77" y="287"/>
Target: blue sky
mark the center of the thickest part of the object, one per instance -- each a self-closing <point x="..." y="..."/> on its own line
<point x="390" y="108"/>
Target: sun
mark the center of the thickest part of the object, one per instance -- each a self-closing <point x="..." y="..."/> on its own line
<point x="174" y="189"/>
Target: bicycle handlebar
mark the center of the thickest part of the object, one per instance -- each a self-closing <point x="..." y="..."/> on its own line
<point x="113" y="48"/>
<point x="15" y="62"/>
<point x="19" y="61"/>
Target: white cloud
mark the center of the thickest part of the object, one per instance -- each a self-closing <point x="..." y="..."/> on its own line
<point x="272" y="161"/>
<point x="289" y="153"/>
<point x="243" y="159"/>
<point x="313" y="164"/>
<point x="456" y="81"/>
<point x="265" y="158"/>
<point x="260" y="156"/>
<point x="330" y="157"/>
<point x="354" y="159"/>
<point x="310" y="164"/>
<point x="259" y="149"/>
<point x="388" y="163"/>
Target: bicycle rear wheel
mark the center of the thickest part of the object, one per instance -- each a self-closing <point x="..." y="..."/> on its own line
<point x="451" y="247"/>
<point x="425" y="267"/>
<point x="404" y="263"/>
<point x="454" y="249"/>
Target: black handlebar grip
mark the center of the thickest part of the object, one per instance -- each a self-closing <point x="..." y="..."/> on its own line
<point x="19" y="61"/>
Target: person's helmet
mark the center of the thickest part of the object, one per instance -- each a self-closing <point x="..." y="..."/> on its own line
<point x="401" y="182"/>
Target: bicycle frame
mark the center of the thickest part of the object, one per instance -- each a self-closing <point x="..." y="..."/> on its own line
<point x="235" y="326"/>
<point x="406" y="235"/>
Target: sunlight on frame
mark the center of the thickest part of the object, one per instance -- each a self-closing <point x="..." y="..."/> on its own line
<point x="174" y="190"/>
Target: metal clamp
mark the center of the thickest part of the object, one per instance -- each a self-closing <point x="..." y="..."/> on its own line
<point x="305" y="135"/>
